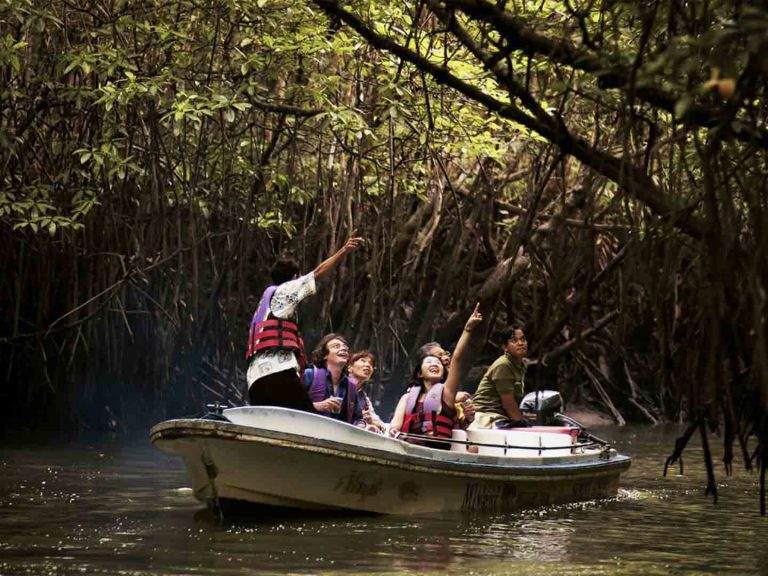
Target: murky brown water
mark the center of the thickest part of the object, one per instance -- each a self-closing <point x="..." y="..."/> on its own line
<point x="113" y="506"/>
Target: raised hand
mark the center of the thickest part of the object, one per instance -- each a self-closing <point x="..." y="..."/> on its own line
<point x="324" y="268"/>
<point x="353" y="242"/>
<point x="474" y="319"/>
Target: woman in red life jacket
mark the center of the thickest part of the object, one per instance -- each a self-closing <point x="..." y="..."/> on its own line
<point x="465" y="407"/>
<point x="275" y="348"/>
<point x="427" y="409"/>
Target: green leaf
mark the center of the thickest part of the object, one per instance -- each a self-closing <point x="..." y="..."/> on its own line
<point x="71" y="66"/>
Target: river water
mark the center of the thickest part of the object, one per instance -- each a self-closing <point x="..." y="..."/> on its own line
<point x="105" y="505"/>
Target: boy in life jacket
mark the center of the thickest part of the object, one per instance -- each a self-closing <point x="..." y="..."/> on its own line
<point x="427" y="408"/>
<point x="329" y="388"/>
<point x="275" y="348"/>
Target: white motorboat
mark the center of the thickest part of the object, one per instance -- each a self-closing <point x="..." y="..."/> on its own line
<point x="281" y="457"/>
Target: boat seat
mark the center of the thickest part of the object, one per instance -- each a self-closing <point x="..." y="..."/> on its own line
<point x="550" y="429"/>
<point x="550" y="440"/>
<point x="521" y="442"/>
<point x="458" y="435"/>
<point x="488" y="436"/>
<point x="572" y="432"/>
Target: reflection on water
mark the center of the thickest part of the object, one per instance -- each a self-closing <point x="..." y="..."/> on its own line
<point x="110" y="506"/>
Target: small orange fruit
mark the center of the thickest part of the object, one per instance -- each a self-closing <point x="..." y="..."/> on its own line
<point x="726" y="87"/>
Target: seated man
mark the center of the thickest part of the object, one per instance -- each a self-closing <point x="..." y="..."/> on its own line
<point x="330" y="390"/>
<point x="502" y="387"/>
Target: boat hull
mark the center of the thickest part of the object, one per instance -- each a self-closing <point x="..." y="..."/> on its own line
<point x="365" y="472"/>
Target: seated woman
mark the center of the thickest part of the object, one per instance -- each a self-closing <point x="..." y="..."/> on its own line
<point x="359" y="371"/>
<point x="427" y="409"/>
<point x="465" y="405"/>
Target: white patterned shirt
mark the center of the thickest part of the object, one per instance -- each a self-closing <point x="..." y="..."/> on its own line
<point x="283" y="305"/>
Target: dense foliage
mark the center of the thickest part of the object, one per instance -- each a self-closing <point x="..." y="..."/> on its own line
<point x="595" y="167"/>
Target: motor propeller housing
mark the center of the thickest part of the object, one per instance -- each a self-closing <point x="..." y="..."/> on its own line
<point x="541" y="406"/>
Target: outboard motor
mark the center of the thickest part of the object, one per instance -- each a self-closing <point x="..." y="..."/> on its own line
<point x="541" y="406"/>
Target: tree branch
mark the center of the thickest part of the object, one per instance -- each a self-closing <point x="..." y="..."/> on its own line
<point x="632" y="179"/>
<point x="610" y="69"/>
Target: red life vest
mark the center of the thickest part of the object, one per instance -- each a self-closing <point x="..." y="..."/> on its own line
<point x="427" y="418"/>
<point x="273" y="333"/>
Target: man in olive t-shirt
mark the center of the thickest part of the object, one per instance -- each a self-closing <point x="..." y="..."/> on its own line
<point x="501" y="389"/>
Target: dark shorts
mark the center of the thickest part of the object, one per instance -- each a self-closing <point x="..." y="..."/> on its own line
<point x="280" y="389"/>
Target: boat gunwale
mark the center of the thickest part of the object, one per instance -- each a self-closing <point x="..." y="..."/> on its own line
<point x="467" y="468"/>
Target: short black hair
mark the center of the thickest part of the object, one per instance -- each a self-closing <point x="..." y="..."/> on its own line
<point x="416" y="379"/>
<point x="509" y="331"/>
<point x="284" y="270"/>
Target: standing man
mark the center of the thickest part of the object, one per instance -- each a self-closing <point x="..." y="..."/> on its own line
<point x="502" y="386"/>
<point x="275" y="347"/>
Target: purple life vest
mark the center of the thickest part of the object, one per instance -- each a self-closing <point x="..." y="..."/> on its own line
<point x="318" y="390"/>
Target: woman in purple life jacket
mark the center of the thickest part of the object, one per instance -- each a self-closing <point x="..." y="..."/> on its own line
<point x="427" y="409"/>
<point x="359" y="371"/>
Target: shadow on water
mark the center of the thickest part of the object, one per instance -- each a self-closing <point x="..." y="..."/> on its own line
<point x="232" y="512"/>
